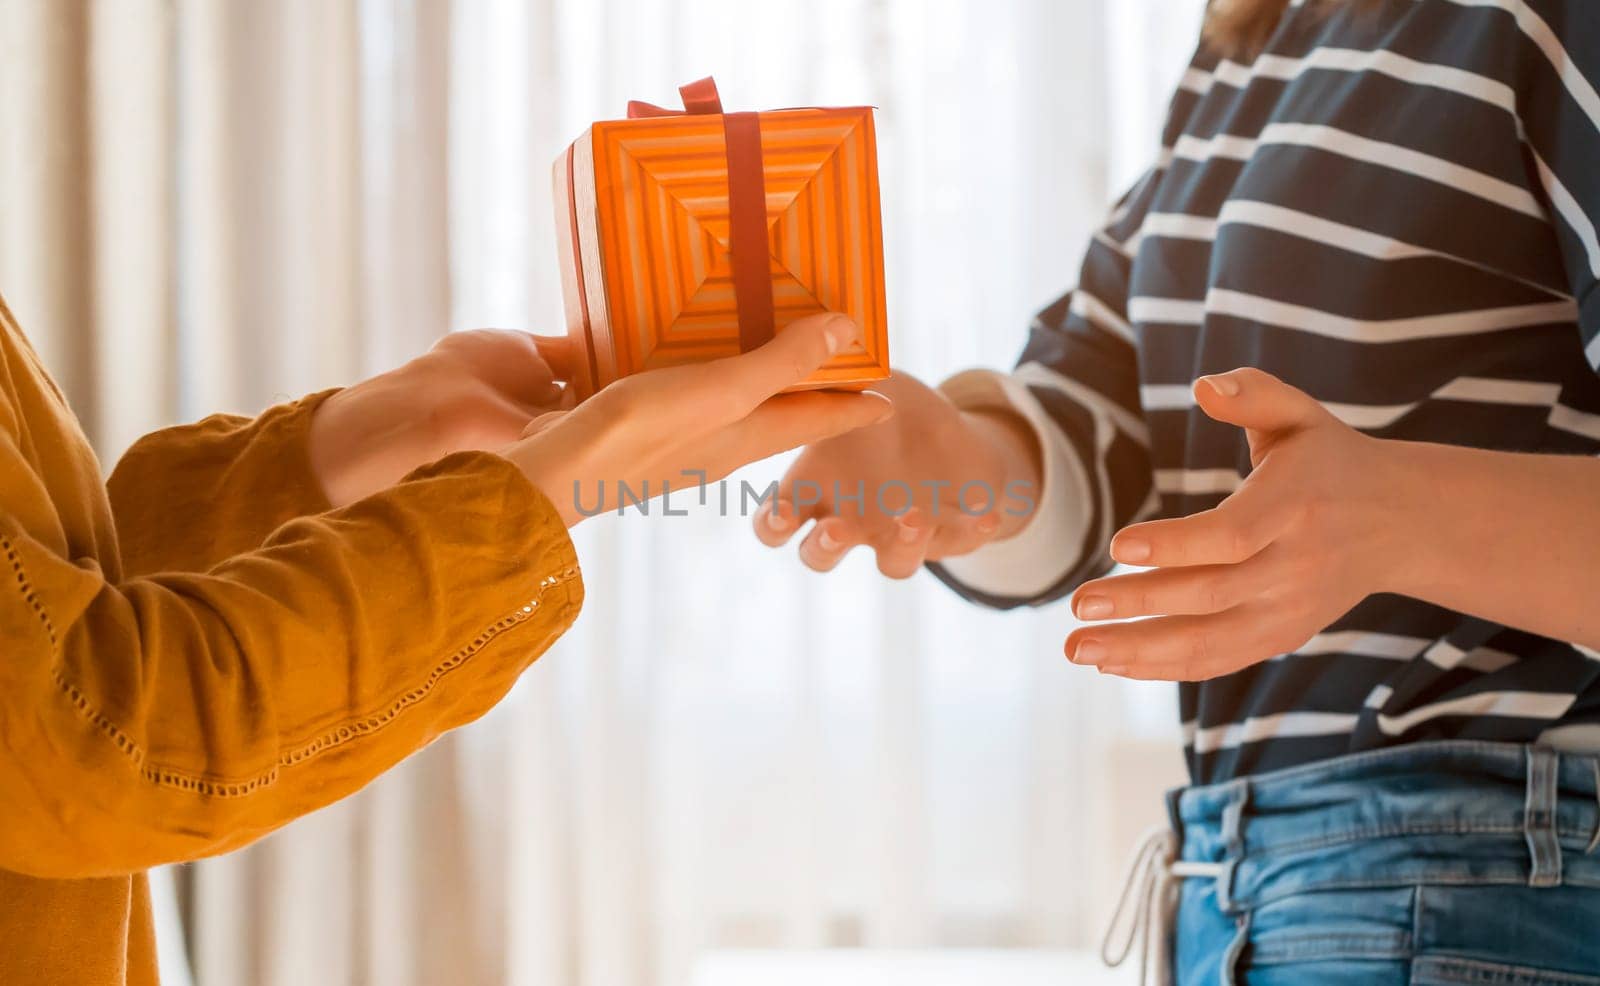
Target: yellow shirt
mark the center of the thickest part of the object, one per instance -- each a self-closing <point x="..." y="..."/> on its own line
<point x="201" y="650"/>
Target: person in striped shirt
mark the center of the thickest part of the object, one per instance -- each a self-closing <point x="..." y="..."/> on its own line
<point x="1329" y="377"/>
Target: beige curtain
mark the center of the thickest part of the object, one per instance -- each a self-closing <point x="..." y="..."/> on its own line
<point x="215" y="204"/>
<point x="209" y="206"/>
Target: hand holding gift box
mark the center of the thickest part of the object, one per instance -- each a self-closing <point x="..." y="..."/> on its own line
<point x="691" y="235"/>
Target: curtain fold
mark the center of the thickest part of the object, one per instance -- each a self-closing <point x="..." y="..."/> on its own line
<point x="212" y="206"/>
<point x="46" y="246"/>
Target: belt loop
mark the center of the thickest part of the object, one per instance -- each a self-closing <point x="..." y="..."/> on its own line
<point x="1175" y="815"/>
<point x="1233" y="818"/>
<point x="1594" y="840"/>
<point x="1233" y="815"/>
<point x="1539" y="817"/>
<point x="1229" y="973"/>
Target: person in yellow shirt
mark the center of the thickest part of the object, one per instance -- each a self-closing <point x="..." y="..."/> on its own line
<point x="255" y="618"/>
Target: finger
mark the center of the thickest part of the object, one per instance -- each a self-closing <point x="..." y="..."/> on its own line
<point x="507" y="361"/>
<point x="1233" y="531"/>
<point x="1257" y="401"/>
<point x="827" y="544"/>
<point x="1176" y="648"/>
<point x="1171" y="591"/>
<point x="902" y="552"/>
<point x="792" y="420"/>
<point x="959" y="534"/>
<point x="494" y="420"/>
<point x="542" y="422"/>
<point x="558" y="353"/>
<point x="792" y="355"/>
<point x="779" y="520"/>
<point x="526" y="375"/>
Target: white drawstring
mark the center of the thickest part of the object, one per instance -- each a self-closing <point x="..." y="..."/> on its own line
<point x="1150" y="904"/>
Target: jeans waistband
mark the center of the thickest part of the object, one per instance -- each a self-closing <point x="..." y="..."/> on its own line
<point x="1449" y="812"/>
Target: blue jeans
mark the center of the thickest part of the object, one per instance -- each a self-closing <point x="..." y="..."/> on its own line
<point x="1438" y="863"/>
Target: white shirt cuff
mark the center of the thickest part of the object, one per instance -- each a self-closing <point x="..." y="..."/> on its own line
<point x="1033" y="560"/>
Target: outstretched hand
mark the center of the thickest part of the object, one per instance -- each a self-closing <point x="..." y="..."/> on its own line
<point x="702" y="420"/>
<point x="1301" y="542"/>
<point x="931" y="483"/>
<point x="473" y="390"/>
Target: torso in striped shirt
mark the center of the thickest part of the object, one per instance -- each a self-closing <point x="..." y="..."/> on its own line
<point x="1394" y="211"/>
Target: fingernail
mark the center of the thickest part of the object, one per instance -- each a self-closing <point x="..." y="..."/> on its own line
<point x="908" y="533"/>
<point x="826" y="542"/>
<point x="778" y="521"/>
<point x="1223" y="384"/>
<point x="839" y="332"/>
<point x="989" y="523"/>
<point x="1089" y="652"/>
<point x="1094" y="608"/>
<point x="1131" y="550"/>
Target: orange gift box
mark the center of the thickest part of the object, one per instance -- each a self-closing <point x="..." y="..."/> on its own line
<point x="691" y="235"/>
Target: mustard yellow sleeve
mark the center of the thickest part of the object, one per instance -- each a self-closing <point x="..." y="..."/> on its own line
<point x="185" y="498"/>
<point x="177" y="715"/>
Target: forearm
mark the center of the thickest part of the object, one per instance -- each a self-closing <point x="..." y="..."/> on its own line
<point x="179" y="715"/>
<point x="187" y="497"/>
<point x="1509" y="537"/>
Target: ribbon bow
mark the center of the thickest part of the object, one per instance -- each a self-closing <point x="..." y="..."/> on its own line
<point x="747" y="206"/>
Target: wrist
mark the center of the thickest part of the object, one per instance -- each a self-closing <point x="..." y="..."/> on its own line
<point x="339" y="447"/>
<point x="357" y="435"/>
<point x="1016" y="462"/>
<point x="557" y="467"/>
<point x="1406" y="517"/>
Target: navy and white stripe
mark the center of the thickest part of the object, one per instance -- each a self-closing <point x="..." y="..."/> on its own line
<point x="1396" y="210"/>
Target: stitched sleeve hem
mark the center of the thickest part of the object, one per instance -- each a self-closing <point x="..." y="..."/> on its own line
<point x="1039" y="555"/>
<point x="552" y="601"/>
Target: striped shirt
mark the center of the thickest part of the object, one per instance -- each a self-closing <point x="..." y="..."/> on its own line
<point x="1393" y="209"/>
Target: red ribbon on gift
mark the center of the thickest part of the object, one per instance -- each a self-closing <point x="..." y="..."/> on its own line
<point x="747" y="206"/>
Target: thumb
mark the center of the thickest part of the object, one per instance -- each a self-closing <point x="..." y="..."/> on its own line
<point x="792" y="420"/>
<point x="557" y="353"/>
<point x="1256" y="401"/>
<point x="542" y="422"/>
<point x="791" y="356"/>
